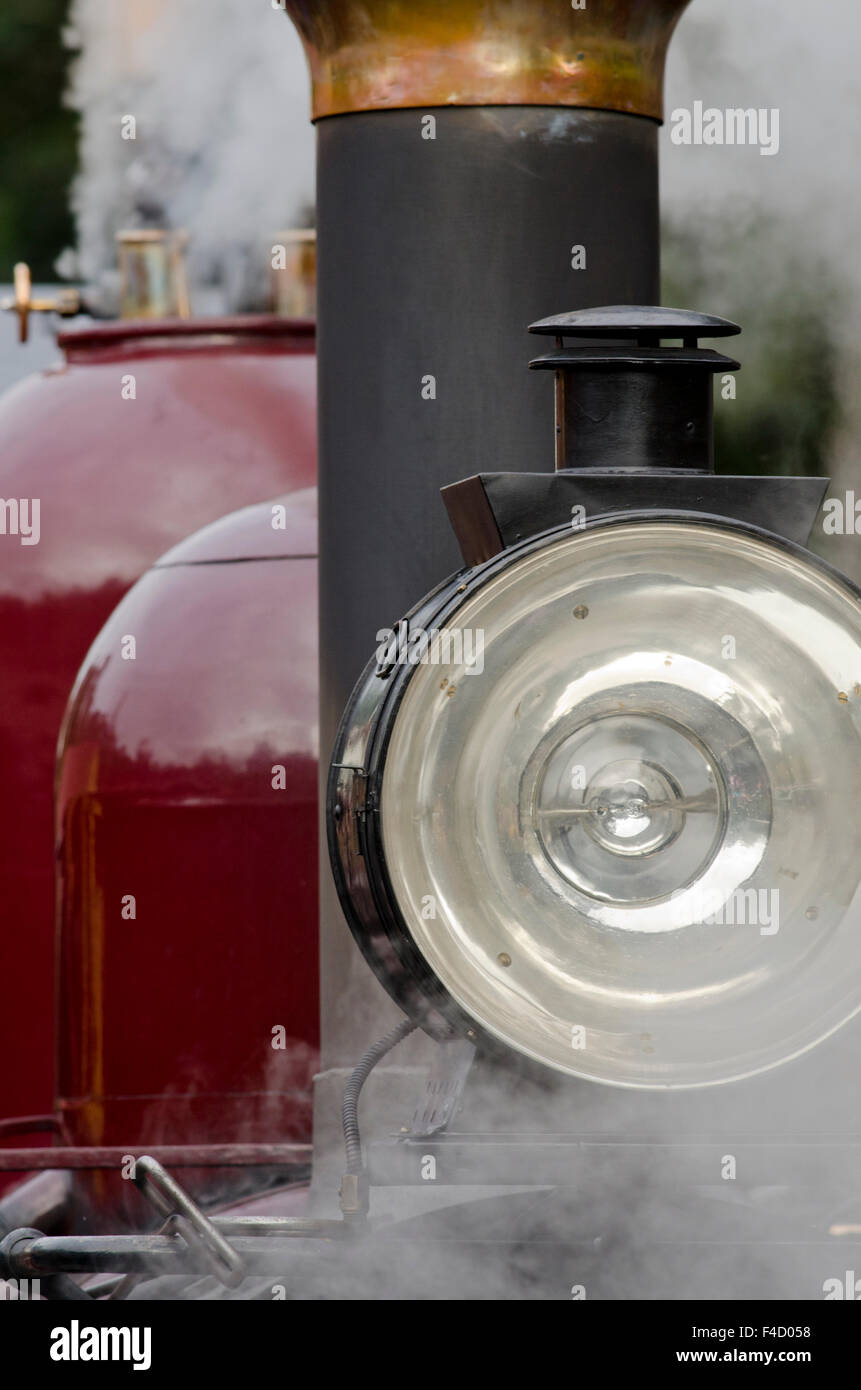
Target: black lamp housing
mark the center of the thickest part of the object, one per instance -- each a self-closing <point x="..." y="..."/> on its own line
<point x="634" y="443"/>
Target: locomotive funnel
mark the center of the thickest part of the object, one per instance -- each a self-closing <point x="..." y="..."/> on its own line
<point x="478" y="165"/>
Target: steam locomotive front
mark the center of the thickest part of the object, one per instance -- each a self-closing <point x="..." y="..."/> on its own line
<point x="589" y="809"/>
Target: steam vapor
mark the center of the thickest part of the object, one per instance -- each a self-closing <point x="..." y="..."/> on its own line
<point x="223" y="146"/>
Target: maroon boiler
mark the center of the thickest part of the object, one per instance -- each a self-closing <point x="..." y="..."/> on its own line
<point x="142" y="433"/>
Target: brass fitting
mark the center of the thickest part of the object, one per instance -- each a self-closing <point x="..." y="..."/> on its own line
<point x="66" y="302"/>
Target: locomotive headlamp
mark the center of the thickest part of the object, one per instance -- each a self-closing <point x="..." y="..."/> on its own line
<point x="600" y="802"/>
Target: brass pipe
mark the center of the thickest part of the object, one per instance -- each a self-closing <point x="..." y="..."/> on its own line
<point x="153" y="283"/>
<point x="294" y="274"/>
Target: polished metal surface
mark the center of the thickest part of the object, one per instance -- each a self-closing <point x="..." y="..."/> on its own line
<point x="635" y="821"/>
<point x="607" y="54"/>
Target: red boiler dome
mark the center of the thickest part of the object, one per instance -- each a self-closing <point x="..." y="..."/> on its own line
<point x="187" y="848"/>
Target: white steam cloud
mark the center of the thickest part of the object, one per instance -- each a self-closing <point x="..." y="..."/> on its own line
<point x="802" y="208"/>
<point x="223" y="146"/>
<point x="789" y="55"/>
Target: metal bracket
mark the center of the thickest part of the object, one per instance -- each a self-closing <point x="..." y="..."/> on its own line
<point x="444" y="1088"/>
<point x="495" y="510"/>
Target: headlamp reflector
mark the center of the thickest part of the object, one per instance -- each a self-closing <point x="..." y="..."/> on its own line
<point x="636" y="822"/>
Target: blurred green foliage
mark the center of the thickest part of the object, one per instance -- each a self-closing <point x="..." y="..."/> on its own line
<point x="788" y="303"/>
<point x="38" y="137"/>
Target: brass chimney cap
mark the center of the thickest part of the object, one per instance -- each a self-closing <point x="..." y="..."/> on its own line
<point x="379" y="54"/>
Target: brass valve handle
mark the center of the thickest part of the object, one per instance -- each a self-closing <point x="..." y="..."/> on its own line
<point x="66" y="303"/>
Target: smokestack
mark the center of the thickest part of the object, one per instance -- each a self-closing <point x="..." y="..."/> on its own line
<point x="479" y="166"/>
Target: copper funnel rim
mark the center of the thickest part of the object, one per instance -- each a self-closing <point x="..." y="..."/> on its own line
<point x="401" y="54"/>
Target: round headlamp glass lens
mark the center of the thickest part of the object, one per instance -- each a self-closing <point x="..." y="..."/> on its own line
<point x="619" y="819"/>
